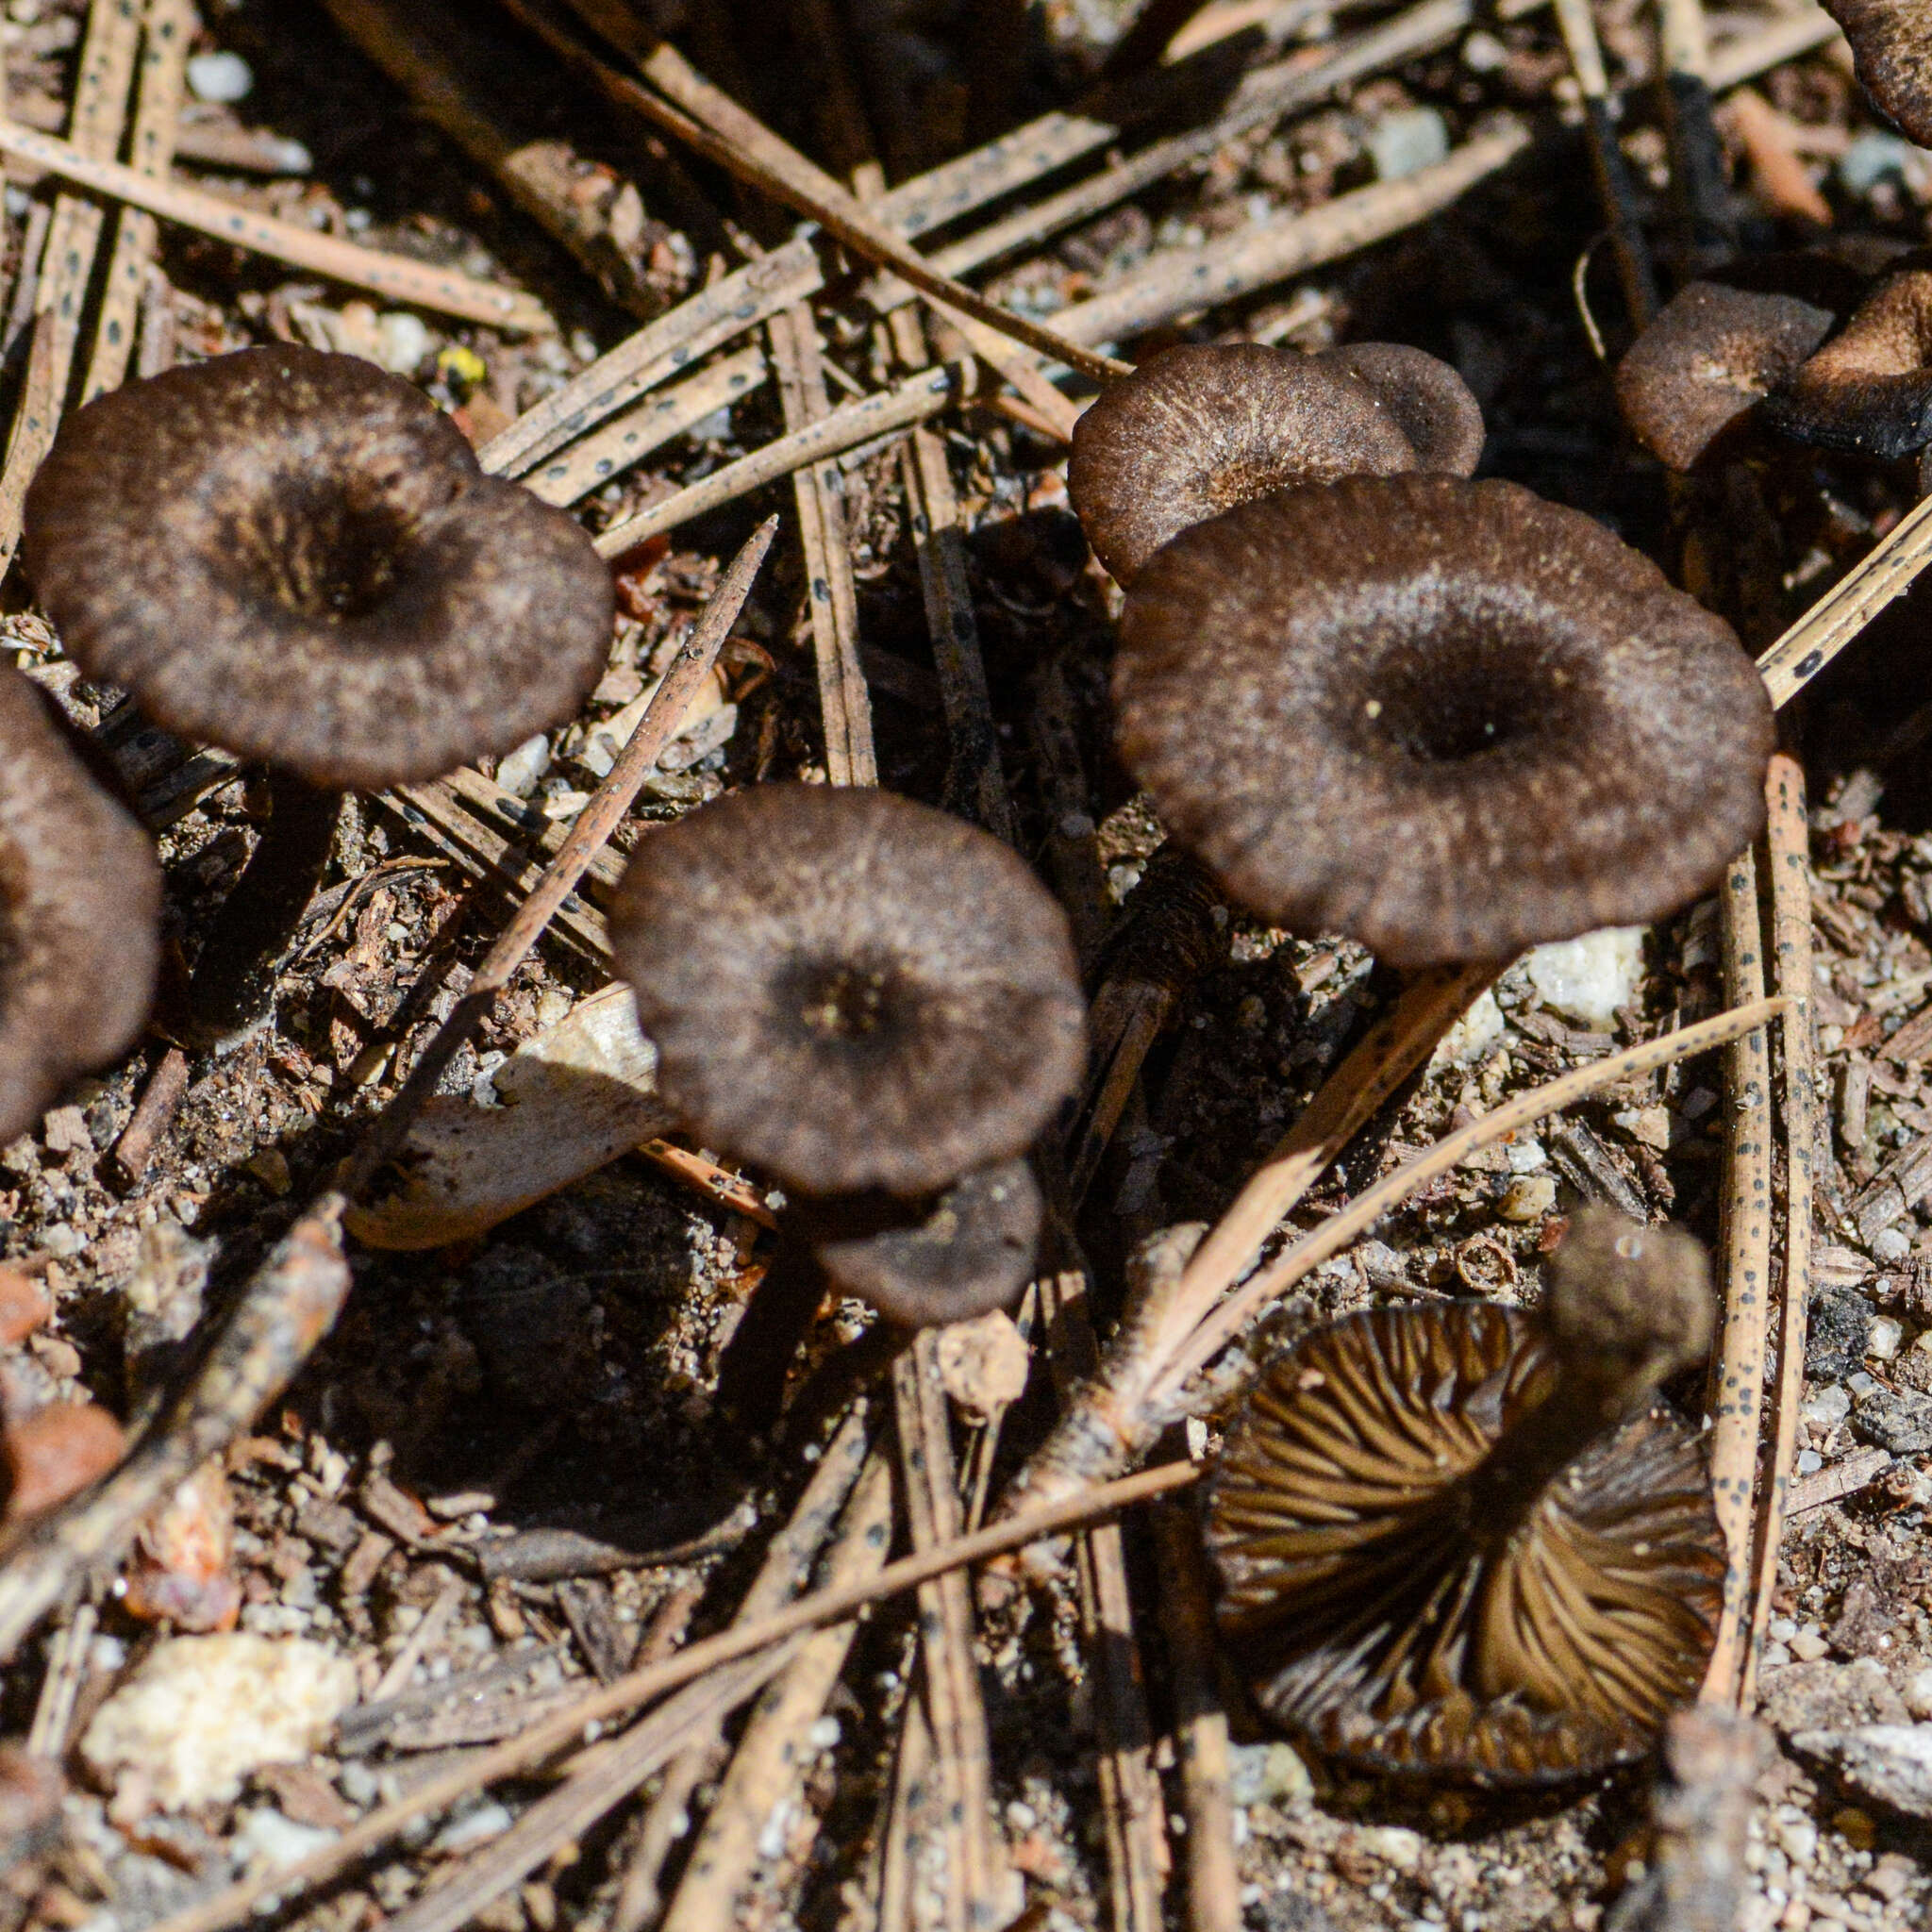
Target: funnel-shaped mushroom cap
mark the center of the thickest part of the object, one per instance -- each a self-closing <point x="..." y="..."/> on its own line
<point x="1444" y="718"/>
<point x="1892" y="53"/>
<point x="295" y="555"/>
<point x="1870" y="387"/>
<point x="80" y="906"/>
<point x="1407" y="1594"/>
<point x="1710" y="357"/>
<point x="850" y="990"/>
<point x="971" y="1251"/>
<point x="1195" y="430"/>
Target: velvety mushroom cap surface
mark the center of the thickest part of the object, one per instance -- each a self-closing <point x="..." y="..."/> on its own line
<point x="1195" y="430"/>
<point x="1430" y="403"/>
<point x="294" y="555"/>
<point x="81" y="904"/>
<point x="1892" y="53"/>
<point x="1382" y="1612"/>
<point x="848" y="989"/>
<point x="1710" y="357"/>
<point x="1870" y="387"/>
<point x="1445" y="717"/>
<point x="972" y="1252"/>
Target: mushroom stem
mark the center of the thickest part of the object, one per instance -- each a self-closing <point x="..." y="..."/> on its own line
<point x="753" y="1367"/>
<point x="233" y="988"/>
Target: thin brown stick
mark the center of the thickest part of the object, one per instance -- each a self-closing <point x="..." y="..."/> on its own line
<point x="67" y="261"/>
<point x="1188" y="281"/>
<point x="1788" y="846"/>
<point x="784" y="1572"/>
<point x="1842" y="614"/>
<point x="1187" y="1618"/>
<point x="1362" y="1213"/>
<point x="165" y="36"/>
<point x="771" y="1755"/>
<point x="394" y="276"/>
<point x="1578" y="27"/>
<point x="585" y="840"/>
<point x="956" y="1711"/>
<point x="564" y="1727"/>
<point x="831" y="591"/>
<point x="1737" y="1390"/>
<point x="288" y="1305"/>
<point x="916" y="400"/>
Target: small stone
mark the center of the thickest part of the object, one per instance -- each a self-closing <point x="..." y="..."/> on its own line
<point x="1473" y="1035"/>
<point x="1828" y="1696"/>
<point x="517" y="770"/>
<point x="1891" y="1879"/>
<point x="1525" y="1157"/>
<point x="1916" y="1690"/>
<point x="983" y="1363"/>
<point x="1825" y="1407"/>
<point x="1529" y="1197"/>
<point x="1899" y="1419"/>
<point x="1482" y="53"/>
<point x="54" y="1453"/>
<point x="1587" y="979"/>
<point x="1834" y="1341"/>
<point x="1857" y="1828"/>
<point x="25" y="1305"/>
<point x="222" y="77"/>
<point x="402" y="341"/>
<point x="1810" y="1462"/>
<point x="1797" y="1838"/>
<point x="473" y="1828"/>
<point x="1649" y="1126"/>
<point x="63" y="1241"/>
<point x="64" y="1129"/>
<point x="1892" y="1245"/>
<point x="1271" y="1774"/>
<point x="1886" y="1338"/>
<point x="1407" y="141"/>
<point x="204" y="1712"/>
<point x="1871" y="157"/>
<point x="1890" y="1764"/>
<point x="267" y="1839"/>
<point x="1808" y="1646"/>
<point x="270" y="1166"/>
<point x="1394" y="1844"/>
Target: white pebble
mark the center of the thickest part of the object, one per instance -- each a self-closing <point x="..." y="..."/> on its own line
<point x="1890" y="1245"/>
<point x="1407" y="141"/>
<point x="204" y="1712"/>
<point x="1529" y="1197"/>
<point x="1587" y="979"/>
<point x="1808" y="1646"/>
<point x="266" y="1839"/>
<point x="517" y="770"/>
<point x="1886" y="1338"/>
<point x="486" y="1822"/>
<point x="402" y="341"/>
<point x="225" y="77"/>
<point x="1473" y="1035"/>
<point x="1825" y="1407"/>
<point x="1799" y="1837"/>
<point x="1917" y="1692"/>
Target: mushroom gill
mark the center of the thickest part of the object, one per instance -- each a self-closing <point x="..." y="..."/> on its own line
<point x="1460" y="1539"/>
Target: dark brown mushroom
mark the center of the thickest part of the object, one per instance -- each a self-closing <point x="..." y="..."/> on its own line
<point x="1706" y="363"/>
<point x="80" y="900"/>
<point x="869" y="999"/>
<point x="849" y="990"/>
<point x="969" y="1251"/>
<point x="296" y="557"/>
<point x="1197" y="429"/>
<point x="1460" y="1539"/>
<point x="1891" y="55"/>
<point x="1445" y="717"/>
<point x="1870" y="387"/>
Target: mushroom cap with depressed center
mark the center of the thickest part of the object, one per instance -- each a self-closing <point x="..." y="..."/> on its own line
<point x="295" y="555"/>
<point x="1708" y="361"/>
<point x="1891" y="55"/>
<point x="969" y="1251"/>
<point x="1430" y="403"/>
<point x="80" y="906"/>
<point x="849" y="990"/>
<point x="1870" y="387"/>
<point x="1444" y="718"/>
<point x="1383" y="1608"/>
<point x="1197" y="429"/>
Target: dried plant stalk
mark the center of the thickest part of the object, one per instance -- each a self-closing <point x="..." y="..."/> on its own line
<point x="289" y="1304"/>
<point x="165" y="36"/>
<point x="1114" y="1420"/>
<point x="916" y="400"/>
<point x="1737" y="1395"/>
<point x="1619" y="199"/>
<point x="561" y="1728"/>
<point x="393" y="276"/>
<point x="1787" y="847"/>
<point x="67" y="259"/>
<point x="831" y="593"/>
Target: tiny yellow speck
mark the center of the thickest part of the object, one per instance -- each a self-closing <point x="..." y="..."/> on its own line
<point x="1373" y="707"/>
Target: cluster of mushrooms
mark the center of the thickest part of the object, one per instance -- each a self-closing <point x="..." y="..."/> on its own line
<point x="1452" y="720"/>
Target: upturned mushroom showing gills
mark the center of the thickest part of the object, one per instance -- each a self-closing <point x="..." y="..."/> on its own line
<point x="1891" y="55"/>
<point x="1708" y="361"/>
<point x="1444" y="718"/>
<point x="1870" y="387"/>
<point x="1197" y="429"/>
<point x="1462" y="1538"/>
<point x="294" y="556"/>
<point x="80" y="901"/>
<point x="872" y="1001"/>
